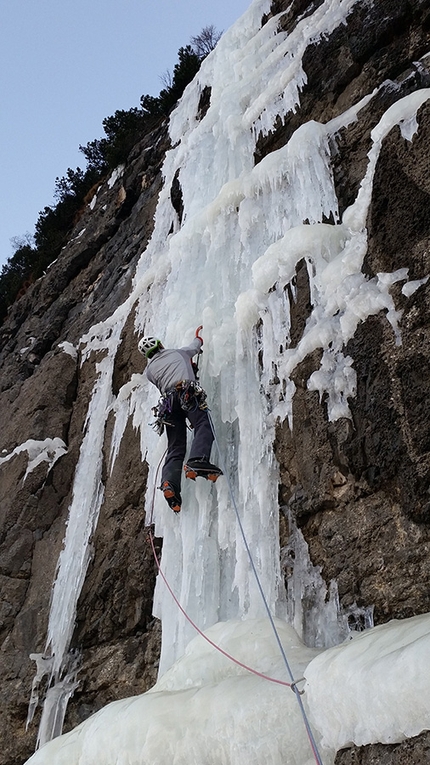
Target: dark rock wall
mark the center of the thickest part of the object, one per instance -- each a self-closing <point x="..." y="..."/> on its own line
<point x="363" y="499"/>
<point x="44" y="393"/>
<point x="357" y="488"/>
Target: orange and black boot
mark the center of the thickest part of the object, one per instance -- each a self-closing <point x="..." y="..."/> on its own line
<point x="203" y="468"/>
<point x="172" y="497"/>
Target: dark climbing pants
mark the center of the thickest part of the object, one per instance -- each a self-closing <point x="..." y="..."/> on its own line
<point x="176" y="429"/>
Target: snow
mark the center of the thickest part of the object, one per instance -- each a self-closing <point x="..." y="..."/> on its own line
<point x="409" y="288"/>
<point x="49" y="450"/>
<point x="231" y="265"/>
<point x="409" y="127"/>
<point x="69" y="348"/>
<point x="213" y="702"/>
<point x="115" y="175"/>
<point x="31" y="342"/>
<point x="374" y="688"/>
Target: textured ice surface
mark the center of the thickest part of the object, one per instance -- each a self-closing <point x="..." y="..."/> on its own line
<point x="375" y="687"/>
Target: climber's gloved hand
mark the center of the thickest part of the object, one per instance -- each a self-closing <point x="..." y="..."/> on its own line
<point x="198" y="332"/>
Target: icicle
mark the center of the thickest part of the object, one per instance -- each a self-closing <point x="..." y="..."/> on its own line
<point x="313" y="609"/>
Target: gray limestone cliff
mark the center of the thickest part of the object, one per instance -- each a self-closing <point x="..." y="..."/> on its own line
<point x="358" y="489"/>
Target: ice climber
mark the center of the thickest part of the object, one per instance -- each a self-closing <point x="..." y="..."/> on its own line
<point x="182" y="399"/>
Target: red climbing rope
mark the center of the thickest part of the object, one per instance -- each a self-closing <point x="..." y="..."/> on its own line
<point x="193" y="624"/>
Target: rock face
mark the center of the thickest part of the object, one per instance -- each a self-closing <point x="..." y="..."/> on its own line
<point x="358" y="489"/>
<point x="363" y="501"/>
<point x="44" y="394"/>
<point x="366" y="486"/>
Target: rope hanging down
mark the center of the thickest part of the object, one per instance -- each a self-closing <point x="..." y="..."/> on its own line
<point x="200" y="632"/>
<point x="181" y="608"/>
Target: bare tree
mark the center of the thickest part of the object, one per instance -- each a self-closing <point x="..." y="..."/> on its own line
<point x="26" y="240"/>
<point x="167" y="79"/>
<point x="206" y="41"/>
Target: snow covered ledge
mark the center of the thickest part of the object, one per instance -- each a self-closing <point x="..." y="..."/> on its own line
<point x="373" y="688"/>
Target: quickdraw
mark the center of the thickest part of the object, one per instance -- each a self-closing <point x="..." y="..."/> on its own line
<point x="161" y="413"/>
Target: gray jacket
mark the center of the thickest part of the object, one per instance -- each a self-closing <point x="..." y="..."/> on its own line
<point x="169" y="366"/>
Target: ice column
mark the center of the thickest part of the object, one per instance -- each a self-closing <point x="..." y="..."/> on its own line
<point x="57" y="661"/>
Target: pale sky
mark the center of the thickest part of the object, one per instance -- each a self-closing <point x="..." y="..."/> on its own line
<point x="68" y="64"/>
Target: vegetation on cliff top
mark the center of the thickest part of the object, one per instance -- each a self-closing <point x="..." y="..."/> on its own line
<point x="33" y="254"/>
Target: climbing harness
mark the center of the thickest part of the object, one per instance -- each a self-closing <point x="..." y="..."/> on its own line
<point x="190" y="396"/>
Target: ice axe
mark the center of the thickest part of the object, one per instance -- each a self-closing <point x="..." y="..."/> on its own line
<point x="196" y="363"/>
